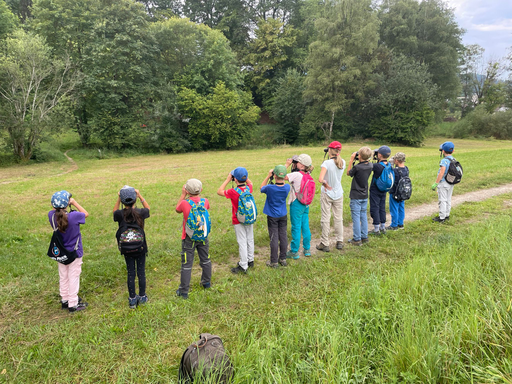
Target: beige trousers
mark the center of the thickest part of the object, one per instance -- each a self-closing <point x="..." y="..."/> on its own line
<point x="326" y="205"/>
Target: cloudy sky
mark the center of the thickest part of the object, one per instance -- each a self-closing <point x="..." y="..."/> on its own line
<point x="487" y="23"/>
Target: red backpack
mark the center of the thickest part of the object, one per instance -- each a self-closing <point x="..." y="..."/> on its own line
<point x="307" y="189"/>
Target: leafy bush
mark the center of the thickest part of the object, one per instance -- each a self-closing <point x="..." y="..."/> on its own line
<point x="481" y="123"/>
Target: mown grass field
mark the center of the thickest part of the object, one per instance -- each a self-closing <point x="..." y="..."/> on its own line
<point x="428" y="304"/>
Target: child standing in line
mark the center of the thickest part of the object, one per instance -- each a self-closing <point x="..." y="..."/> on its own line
<point x="135" y="262"/>
<point x="244" y="232"/>
<point x="331" y="197"/>
<point x="275" y="209"/>
<point x="378" y="197"/>
<point x="397" y="208"/>
<point x="444" y="189"/>
<point x="299" y="213"/>
<point x="192" y="190"/>
<point x="69" y="226"/>
<point x="359" y="194"/>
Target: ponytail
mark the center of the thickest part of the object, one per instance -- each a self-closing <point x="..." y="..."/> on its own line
<point x="308" y="169"/>
<point x="334" y="152"/>
<point x="130" y="215"/>
<point x="62" y="219"/>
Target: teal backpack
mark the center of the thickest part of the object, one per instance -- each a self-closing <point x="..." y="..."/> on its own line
<point x="198" y="224"/>
<point x="386" y="178"/>
<point x="246" y="212"/>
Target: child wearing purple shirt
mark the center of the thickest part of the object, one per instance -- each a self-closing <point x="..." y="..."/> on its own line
<point x="69" y="226"/>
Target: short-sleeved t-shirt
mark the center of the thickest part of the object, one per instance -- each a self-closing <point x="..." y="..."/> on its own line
<point x="445" y="162"/>
<point x="275" y="205"/>
<point x="72" y="233"/>
<point x="185" y="207"/>
<point x="359" y="187"/>
<point x="119" y="218"/>
<point x="333" y="177"/>
<point x="295" y="179"/>
<point x="233" y="196"/>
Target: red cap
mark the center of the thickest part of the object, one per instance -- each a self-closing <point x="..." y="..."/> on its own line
<point x="335" y="145"/>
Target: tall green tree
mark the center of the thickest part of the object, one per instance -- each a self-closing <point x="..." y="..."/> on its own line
<point x="32" y="84"/>
<point x="340" y="60"/>
<point x="426" y="31"/>
<point x="8" y="22"/>
<point x="21" y="8"/>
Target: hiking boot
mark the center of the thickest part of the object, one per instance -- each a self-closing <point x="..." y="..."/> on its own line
<point x="238" y="269"/>
<point x="339" y="245"/>
<point x="272" y="265"/>
<point x="307" y="252"/>
<point x="283" y="263"/>
<point x="357" y="243"/>
<point x="78" y="307"/>
<point x="207" y="286"/>
<point x="383" y="231"/>
<point x="132" y="302"/>
<point x="182" y="295"/>
<point x="400" y="227"/>
<point x="390" y="228"/>
<point x="437" y="219"/>
<point x="250" y="264"/>
<point x="292" y="255"/>
<point x="141" y="300"/>
<point x="365" y="240"/>
<point x="323" y="248"/>
<point x="374" y="233"/>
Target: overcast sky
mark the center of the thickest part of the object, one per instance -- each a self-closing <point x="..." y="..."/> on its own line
<point x="487" y="23"/>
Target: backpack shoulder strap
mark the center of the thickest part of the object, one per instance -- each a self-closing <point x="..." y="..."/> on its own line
<point x="192" y="204"/>
<point x="238" y="190"/>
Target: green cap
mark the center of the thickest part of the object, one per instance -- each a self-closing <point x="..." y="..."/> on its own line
<point x="280" y="171"/>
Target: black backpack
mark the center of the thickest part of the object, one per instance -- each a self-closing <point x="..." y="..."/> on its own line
<point x="57" y="251"/>
<point x="454" y="174"/>
<point x="131" y="239"/>
<point x="403" y="189"/>
<point x="206" y="359"/>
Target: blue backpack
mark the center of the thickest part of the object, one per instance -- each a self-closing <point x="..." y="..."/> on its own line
<point x="198" y="224"/>
<point x="386" y="178"/>
<point x="247" y="211"/>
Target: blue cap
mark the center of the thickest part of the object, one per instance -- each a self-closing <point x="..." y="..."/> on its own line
<point x="447" y="146"/>
<point x="61" y="199"/>
<point x="240" y="173"/>
<point x="384" y="150"/>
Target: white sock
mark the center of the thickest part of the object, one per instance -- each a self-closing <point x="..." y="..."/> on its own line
<point x="382" y="225"/>
<point x="376" y="228"/>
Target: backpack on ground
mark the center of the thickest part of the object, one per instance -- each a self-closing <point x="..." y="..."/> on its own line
<point x="247" y="211"/>
<point x="386" y="178"/>
<point x="455" y="172"/>
<point x="206" y="359"/>
<point x="57" y="251"/>
<point x="131" y="239"/>
<point x="403" y="189"/>
<point x="307" y="189"/>
<point x="198" y="224"/>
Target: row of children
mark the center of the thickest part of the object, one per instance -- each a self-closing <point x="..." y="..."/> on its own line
<point x="131" y="219"/>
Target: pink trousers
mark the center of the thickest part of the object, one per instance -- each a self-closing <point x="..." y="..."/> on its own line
<point x="69" y="283"/>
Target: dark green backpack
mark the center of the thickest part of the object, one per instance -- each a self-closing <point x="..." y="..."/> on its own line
<point x="206" y="359"/>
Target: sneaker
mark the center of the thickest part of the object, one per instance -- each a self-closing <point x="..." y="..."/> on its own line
<point x="307" y="252"/>
<point x="339" y="245"/>
<point x="437" y="219"/>
<point x="383" y="231"/>
<point x="207" y="286"/>
<point x="141" y="300"/>
<point x="78" y="307"/>
<point x="182" y="295"/>
<point x="400" y="227"/>
<point x="283" y="263"/>
<point x="272" y="265"/>
<point x="250" y="264"/>
<point x="64" y="304"/>
<point x="292" y="255"/>
<point x="390" y="228"/>
<point x="238" y="269"/>
<point x="323" y="248"/>
<point x="374" y="233"/>
<point x="357" y="243"/>
<point x="132" y="302"/>
<point x="365" y="240"/>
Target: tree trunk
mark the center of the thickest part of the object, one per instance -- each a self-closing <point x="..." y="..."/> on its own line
<point x="330" y="126"/>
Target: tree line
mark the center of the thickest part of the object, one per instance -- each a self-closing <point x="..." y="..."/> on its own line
<point x="182" y="75"/>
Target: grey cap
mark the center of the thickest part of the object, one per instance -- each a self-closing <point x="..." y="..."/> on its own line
<point x="194" y="186"/>
<point x="305" y="160"/>
<point x="128" y="195"/>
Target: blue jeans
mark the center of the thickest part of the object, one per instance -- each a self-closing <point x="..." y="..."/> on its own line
<point x="359" y="219"/>
<point x="397" y="211"/>
<point x="299" y="217"/>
